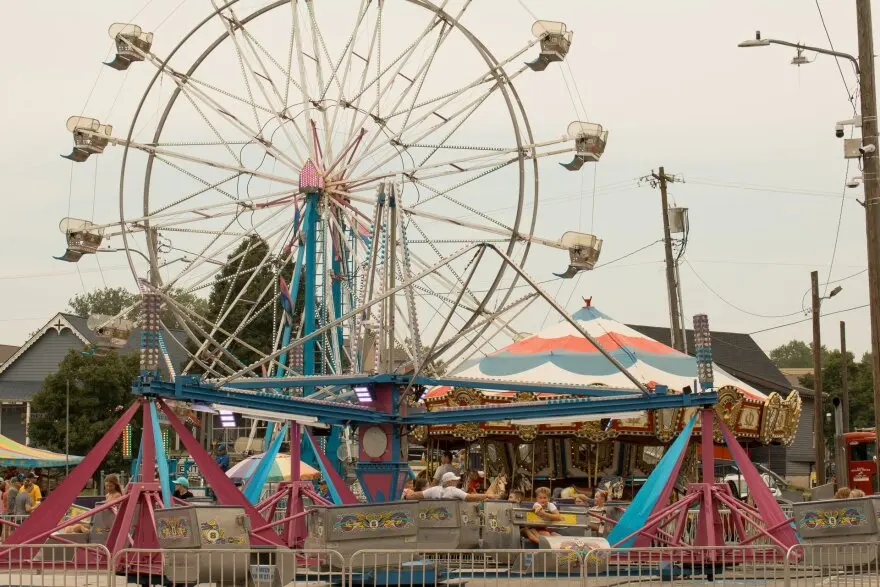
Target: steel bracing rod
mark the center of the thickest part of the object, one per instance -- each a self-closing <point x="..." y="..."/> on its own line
<point x="574" y="323"/>
<point x="241" y="59"/>
<point x="403" y="59"/>
<point x="191" y="335"/>
<point x="494" y="70"/>
<point x="201" y="256"/>
<point x="155" y="151"/>
<point x="199" y="179"/>
<point x="463" y="223"/>
<point x="231" y="244"/>
<point x="504" y="326"/>
<point x="366" y="306"/>
<point x="280" y="114"/>
<point x="300" y="61"/>
<point x="475" y="262"/>
<point x="357" y="101"/>
<point x="348" y="52"/>
<point x="317" y="38"/>
<point x="192" y="92"/>
<point x="251" y="203"/>
<point x="493" y="155"/>
<point x="226" y="310"/>
<point x="208" y="187"/>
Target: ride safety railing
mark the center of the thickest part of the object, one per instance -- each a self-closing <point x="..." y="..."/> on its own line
<point x="842" y="564"/>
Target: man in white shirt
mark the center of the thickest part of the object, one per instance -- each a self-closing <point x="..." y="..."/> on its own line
<point x="445" y="467"/>
<point x="447" y="490"/>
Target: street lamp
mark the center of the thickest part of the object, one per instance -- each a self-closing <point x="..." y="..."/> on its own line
<point x="798" y="59"/>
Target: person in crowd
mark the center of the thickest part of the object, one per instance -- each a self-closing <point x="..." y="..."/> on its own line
<point x="445" y="467"/>
<point x="544" y="509"/>
<point x="447" y="490"/>
<point x="324" y="490"/>
<point x="857" y="493"/>
<point x="24" y="505"/>
<point x="222" y="457"/>
<point x="181" y="488"/>
<point x="476" y="480"/>
<point x="32" y="489"/>
<point x="14" y="488"/>
<point x="597" y="525"/>
<point x="4" y="487"/>
<point x="112" y="488"/>
<point x="843" y="493"/>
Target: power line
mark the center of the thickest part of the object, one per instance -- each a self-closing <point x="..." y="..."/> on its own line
<point x="731" y="304"/>
<point x="807" y="319"/>
<point x="849" y="95"/>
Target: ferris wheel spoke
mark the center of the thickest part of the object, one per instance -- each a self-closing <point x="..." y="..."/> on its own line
<point x="317" y="45"/>
<point x="281" y="112"/>
<point x="208" y="187"/>
<point x="346" y="57"/>
<point x="243" y="64"/>
<point x="300" y="60"/>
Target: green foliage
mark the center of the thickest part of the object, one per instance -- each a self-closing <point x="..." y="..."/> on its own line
<point x="234" y="277"/>
<point x="100" y="389"/>
<point x="795" y="354"/>
<point x="113" y="300"/>
<point x="859" y="385"/>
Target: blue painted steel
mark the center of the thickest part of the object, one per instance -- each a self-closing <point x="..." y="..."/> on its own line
<point x="254" y="487"/>
<point x="189" y="388"/>
<point x="309" y="310"/>
<point x="643" y="503"/>
<point x="161" y="459"/>
<point x="334" y="494"/>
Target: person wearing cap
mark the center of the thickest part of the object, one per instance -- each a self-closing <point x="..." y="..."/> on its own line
<point x="222" y="457"/>
<point x="181" y="488"/>
<point x="447" y="490"/>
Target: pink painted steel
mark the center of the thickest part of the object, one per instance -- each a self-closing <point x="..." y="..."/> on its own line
<point x="766" y="504"/>
<point x="708" y="445"/>
<point x="57" y="503"/>
<point x="227" y="493"/>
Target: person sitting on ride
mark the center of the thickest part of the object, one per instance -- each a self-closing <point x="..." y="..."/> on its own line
<point x="445" y="467"/>
<point x="597" y="526"/>
<point x="447" y="490"/>
<point x="515" y="496"/>
<point x="181" y="488"/>
<point x="544" y="509"/>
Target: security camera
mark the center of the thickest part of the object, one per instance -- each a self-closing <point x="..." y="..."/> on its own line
<point x="865" y="149"/>
<point x="838" y="130"/>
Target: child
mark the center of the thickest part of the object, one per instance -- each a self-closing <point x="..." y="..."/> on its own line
<point x="515" y="496"/>
<point x="544" y="509"/>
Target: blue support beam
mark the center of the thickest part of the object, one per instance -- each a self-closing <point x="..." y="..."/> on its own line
<point x="189" y="389"/>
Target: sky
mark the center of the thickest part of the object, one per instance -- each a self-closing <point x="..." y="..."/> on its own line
<point x="751" y="136"/>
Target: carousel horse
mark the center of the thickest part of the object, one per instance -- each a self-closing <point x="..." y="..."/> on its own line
<point x="498" y="486"/>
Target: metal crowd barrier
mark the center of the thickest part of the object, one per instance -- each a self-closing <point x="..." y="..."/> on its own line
<point x="55" y="565"/>
<point x="844" y="564"/>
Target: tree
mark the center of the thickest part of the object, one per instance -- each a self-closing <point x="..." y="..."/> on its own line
<point x="100" y="389"/>
<point x="795" y="354"/>
<point x="113" y="300"/>
<point x="860" y="387"/>
<point x="232" y="278"/>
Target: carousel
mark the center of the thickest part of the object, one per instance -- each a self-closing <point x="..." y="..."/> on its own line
<point x="588" y="450"/>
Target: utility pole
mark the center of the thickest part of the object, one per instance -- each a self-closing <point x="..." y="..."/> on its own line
<point x="67" y="432"/>
<point x="671" y="281"/>
<point x="844" y="383"/>
<point x="818" y="430"/>
<point x="871" y="177"/>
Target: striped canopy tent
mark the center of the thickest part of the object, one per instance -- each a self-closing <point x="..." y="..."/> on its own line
<point x="13" y="454"/>
<point x="560" y="354"/>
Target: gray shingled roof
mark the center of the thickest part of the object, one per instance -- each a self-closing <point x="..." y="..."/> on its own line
<point x="736" y="352"/>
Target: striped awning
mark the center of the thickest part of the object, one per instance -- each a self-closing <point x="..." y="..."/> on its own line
<point x="13" y="454"/>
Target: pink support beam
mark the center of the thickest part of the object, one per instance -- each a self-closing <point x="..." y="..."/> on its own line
<point x="225" y="490"/>
<point x="57" y="503"/>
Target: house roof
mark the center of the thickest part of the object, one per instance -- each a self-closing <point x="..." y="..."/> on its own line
<point x="77" y="325"/>
<point x="6" y="351"/>
<point x="736" y="352"/>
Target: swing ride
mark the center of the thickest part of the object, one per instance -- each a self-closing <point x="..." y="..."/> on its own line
<point x="358" y="199"/>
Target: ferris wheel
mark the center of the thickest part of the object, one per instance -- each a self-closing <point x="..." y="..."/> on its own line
<point x="321" y="173"/>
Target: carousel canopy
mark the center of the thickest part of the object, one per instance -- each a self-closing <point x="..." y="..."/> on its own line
<point x="13" y="454"/>
<point x="560" y="354"/>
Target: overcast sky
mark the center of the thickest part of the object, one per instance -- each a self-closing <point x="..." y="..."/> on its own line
<point x="751" y="134"/>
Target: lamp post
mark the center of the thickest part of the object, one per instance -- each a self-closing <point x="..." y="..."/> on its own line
<point x="864" y="67"/>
